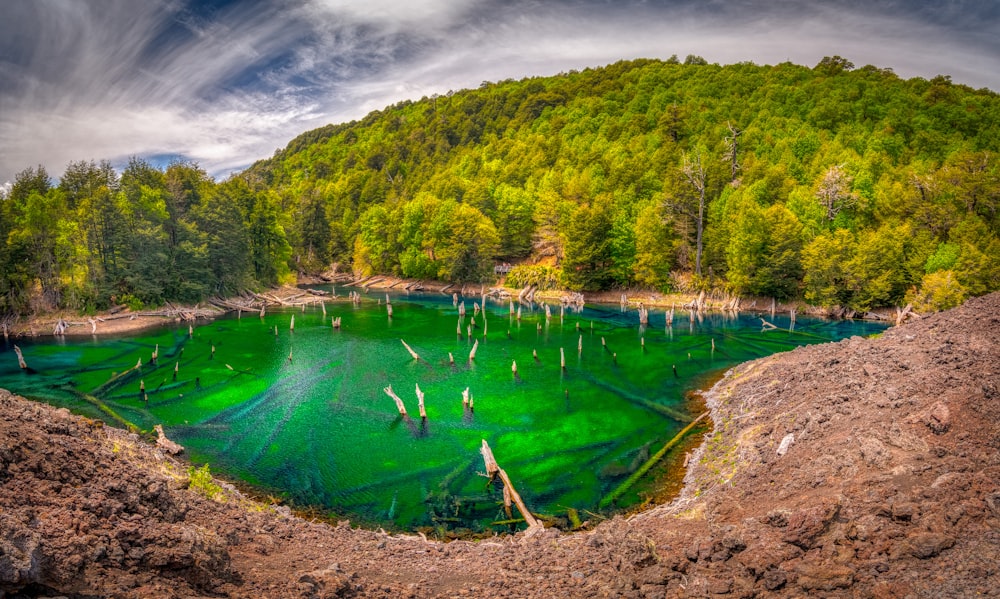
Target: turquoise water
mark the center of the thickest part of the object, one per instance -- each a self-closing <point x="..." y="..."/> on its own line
<point x="302" y="414"/>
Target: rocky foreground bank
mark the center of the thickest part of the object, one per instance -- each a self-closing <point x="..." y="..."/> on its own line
<point x="864" y="468"/>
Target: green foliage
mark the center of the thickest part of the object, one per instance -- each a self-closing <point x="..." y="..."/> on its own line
<point x="852" y="185"/>
<point x="939" y="290"/>
<point x="201" y="482"/>
<point x="944" y="258"/>
<point x="588" y="261"/>
<point x="540" y="276"/>
<point x="654" y="245"/>
<point x="131" y="302"/>
<point x="824" y="261"/>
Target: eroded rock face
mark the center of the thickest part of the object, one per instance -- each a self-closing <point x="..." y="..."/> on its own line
<point x="890" y="490"/>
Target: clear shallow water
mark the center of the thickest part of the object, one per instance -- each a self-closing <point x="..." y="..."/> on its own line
<point x="319" y="430"/>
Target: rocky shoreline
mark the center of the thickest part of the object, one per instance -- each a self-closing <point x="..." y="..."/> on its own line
<point x="121" y="321"/>
<point x="863" y="468"/>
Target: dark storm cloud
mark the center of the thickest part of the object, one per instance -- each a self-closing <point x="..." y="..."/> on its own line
<point x="227" y="82"/>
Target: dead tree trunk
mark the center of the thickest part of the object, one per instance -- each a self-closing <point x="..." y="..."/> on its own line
<point x="20" y="358"/>
<point x="420" y="403"/>
<point x="694" y="172"/>
<point x="410" y="349"/>
<point x="493" y="470"/>
<point x="399" y="402"/>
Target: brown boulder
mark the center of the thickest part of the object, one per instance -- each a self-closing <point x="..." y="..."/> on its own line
<point x="805" y="526"/>
<point x="927" y="544"/>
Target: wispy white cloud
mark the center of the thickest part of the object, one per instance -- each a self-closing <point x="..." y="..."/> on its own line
<point x="228" y="85"/>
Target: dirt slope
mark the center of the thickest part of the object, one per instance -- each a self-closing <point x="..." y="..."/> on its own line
<point x="889" y="489"/>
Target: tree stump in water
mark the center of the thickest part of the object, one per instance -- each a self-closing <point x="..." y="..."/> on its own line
<point x="20" y="358"/>
<point x="399" y="402"/>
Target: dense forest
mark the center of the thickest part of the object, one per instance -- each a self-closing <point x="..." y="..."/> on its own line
<point x="843" y="186"/>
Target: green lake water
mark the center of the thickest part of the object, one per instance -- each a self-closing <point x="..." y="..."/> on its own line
<point x="318" y="429"/>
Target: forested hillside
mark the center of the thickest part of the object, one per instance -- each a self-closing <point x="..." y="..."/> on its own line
<point x="845" y="186"/>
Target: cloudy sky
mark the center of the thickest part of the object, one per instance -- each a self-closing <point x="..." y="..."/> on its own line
<point x="227" y="82"/>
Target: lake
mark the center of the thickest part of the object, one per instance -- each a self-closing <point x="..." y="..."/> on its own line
<point x="303" y="414"/>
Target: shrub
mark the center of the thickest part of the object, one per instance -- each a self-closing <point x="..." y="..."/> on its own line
<point x="134" y="304"/>
<point x="202" y="483"/>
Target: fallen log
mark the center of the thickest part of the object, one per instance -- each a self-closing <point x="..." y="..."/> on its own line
<point x="493" y="470"/>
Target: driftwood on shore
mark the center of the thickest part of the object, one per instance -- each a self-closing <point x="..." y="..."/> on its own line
<point x="166" y="444"/>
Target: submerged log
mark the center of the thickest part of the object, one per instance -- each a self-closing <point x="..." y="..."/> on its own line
<point x="166" y="444"/>
<point x="625" y="486"/>
<point x="336" y="322"/>
<point x="465" y="397"/>
<point x="472" y="353"/>
<point x="493" y="470"/>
